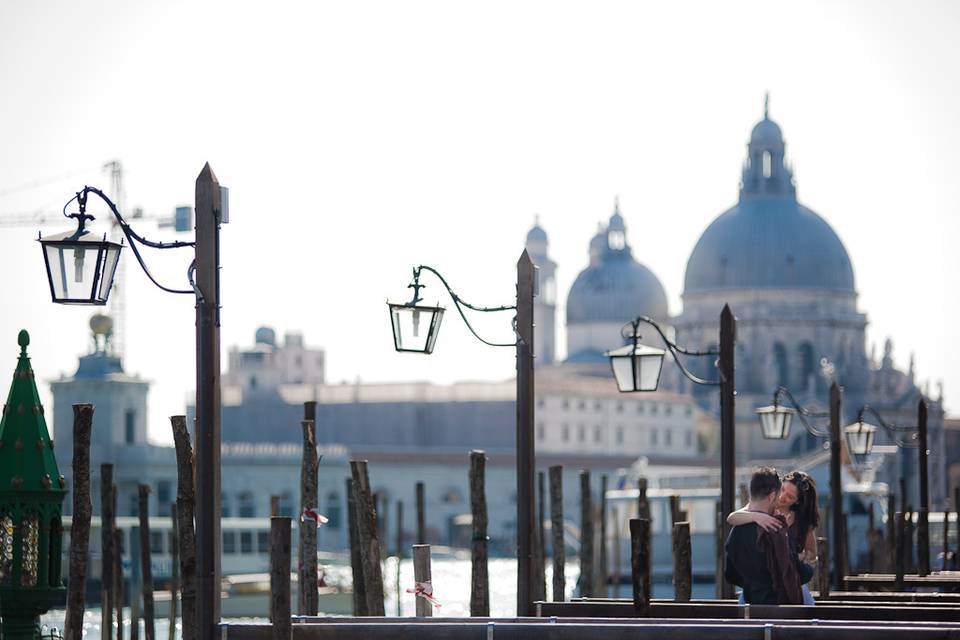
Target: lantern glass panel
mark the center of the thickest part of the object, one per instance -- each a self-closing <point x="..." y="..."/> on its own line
<point x="30" y="539"/>
<point x="6" y="548"/>
<point x="636" y="368"/>
<point x="415" y="328"/>
<point x="860" y="437"/>
<point x="80" y="269"/>
<point x="775" y="422"/>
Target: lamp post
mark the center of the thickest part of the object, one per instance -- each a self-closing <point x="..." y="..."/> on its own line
<point x="775" y="421"/>
<point x="636" y="367"/>
<point x="31" y="504"/>
<point x="415" y="329"/>
<point x="80" y="271"/>
<point x="862" y="432"/>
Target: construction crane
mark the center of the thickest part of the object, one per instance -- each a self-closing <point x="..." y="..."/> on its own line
<point x="180" y="221"/>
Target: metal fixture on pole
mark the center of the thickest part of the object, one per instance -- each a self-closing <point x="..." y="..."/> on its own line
<point x="415" y="329"/>
<point x="636" y="367"/>
<point x="80" y="270"/>
<point x="862" y="433"/>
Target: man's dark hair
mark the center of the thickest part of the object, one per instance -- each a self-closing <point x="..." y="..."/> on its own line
<point x="764" y="482"/>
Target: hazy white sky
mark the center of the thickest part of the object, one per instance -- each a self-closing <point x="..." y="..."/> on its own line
<point x="360" y="138"/>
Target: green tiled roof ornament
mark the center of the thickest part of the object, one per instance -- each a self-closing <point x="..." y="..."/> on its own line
<point x="31" y="500"/>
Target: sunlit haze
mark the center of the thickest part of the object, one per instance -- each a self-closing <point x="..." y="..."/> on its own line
<point x="359" y="139"/>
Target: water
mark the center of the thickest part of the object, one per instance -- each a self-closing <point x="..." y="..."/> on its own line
<point x="451" y="587"/>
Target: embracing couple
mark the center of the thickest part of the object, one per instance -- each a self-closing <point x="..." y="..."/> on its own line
<point x="771" y="548"/>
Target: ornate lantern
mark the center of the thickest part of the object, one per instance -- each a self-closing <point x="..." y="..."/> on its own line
<point x="860" y="437"/>
<point x="415" y="327"/>
<point x="31" y="498"/>
<point x="775" y="421"/>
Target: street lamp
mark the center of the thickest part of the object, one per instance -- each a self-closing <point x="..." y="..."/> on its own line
<point x="864" y="433"/>
<point x="81" y="270"/>
<point x="415" y="330"/>
<point x="775" y="421"/>
<point x="31" y="505"/>
<point x="636" y="367"/>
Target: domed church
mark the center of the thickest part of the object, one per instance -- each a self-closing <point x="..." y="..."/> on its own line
<point x="790" y="282"/>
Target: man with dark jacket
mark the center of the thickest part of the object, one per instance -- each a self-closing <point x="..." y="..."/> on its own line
<point x="764" y="564"/>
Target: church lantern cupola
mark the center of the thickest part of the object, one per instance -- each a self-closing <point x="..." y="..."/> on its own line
<point x="765" y="172"/>
<point x="31" y="501"/>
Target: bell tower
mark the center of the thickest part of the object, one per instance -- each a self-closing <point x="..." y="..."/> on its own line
<point x="545" y="304"/>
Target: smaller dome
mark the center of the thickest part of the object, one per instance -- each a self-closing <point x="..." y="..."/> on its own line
<point x="537" y="234"/>
<point x="766" y="133"/>
<point x="266" y="335"/>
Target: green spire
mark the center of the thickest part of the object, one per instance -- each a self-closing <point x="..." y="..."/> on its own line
<point x="27" y="462"/>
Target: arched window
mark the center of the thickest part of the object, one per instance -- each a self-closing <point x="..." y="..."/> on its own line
<point x="781" y="364"/>
<point x="767" y="164"/>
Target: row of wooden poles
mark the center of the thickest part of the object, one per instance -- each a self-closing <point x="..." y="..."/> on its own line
<point x="367" y="551"/>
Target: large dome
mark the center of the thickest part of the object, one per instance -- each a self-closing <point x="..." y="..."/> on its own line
<point x="768" y="240"/>
<point x="615" y="287"/>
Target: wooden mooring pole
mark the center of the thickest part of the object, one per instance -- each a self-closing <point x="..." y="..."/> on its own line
<point x="890" y="539"/>
<point x="174" y="572"/>
<point x="308" y="601"/>
<point x="556" y="529"/>
<point x="602" y="567"/>
<point x="118" y="572"/>
<point x="280" y="530"/>
<point x="823" y="568"/>
<point x="586" y="536"/>
<point x="540" y="549"/>
<point x="356" y="566"/>
<point x="682" y="566"/>
<point x="399" y="554"/>
<point x="479" y="580"/>
<point x="422" y="578"/>
<point x="640" y="565"/>
<point x="718" y="551"/>
<point x="369" y="539"/>
<point x="146" y="568"/>
<point x="615" y="514"/>
<point x="80" y="527"/>
<point x="186" y="531"/>
<point x="107" y="524"/>
<point x="643" y="505"/>
<point x="421" y="517"/>
<point x="901" y="543"/>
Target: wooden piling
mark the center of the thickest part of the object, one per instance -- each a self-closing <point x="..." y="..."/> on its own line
<point x="615" y="514"/>
<point x="421" y="517"/>
<point x="136" y="584"/>
<point x="479" y="580"/>
<point x="556" y="529"/>
<point x="308" y="601"/>
<point x="682" y="564"/>
<point x="674" y="509"/>
<point x="600" y="590"/>
<point x="80" y="527"/>
<point x="280" y="529"/>
<point x="823" y="568"/>
<point x="118" y="572"/>
<point x="356" y="566"/>
<point x="901" y="543"/>
<point x="174" y="571"/>
<point x="422" y="578"/>
<point x="908" y="531"/>
<point x="871" y="540"/>
<point x="146" y="568"/>
<point x="586" y="536"/>
<point x="643" y="505"/>
<point x="539" y="547"/>
<point x="890" y="539"/>
<point x="946" y="541"/>
<point x="186" y="532"/>
<point x="369" y="538"/>
<point x="399" y="553"/>
<point x="640" y="565"/>
<point x="274" y="506"/>
<point x="107" y="524"/>
<point x="718" y="551"/>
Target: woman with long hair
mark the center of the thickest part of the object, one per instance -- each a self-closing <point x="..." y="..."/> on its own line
<point x="799" y="507"/>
